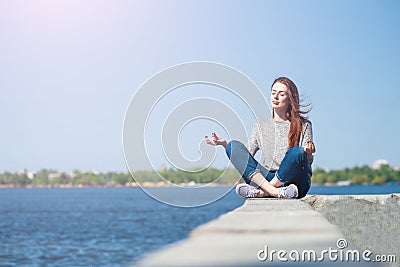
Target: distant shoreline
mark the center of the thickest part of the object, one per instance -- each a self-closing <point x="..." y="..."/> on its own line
<point x="169" y="177"/>
<point x="111" y="186"/>
<point x="165" y="185"/>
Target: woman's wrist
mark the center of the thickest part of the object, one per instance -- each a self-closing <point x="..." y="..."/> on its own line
<point x="224" y="144"/>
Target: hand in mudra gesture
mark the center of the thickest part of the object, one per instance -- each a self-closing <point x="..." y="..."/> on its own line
<point x="310" y="149"/>
<point x="216" y="140"/>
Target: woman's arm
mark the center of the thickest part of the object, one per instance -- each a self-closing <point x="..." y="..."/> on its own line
<point x="253" y="145"/>
<point x="307" y="141"/>
<point x="310" y="150"/>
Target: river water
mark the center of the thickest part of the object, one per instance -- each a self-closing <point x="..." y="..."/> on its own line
<point x="105" y="226"/>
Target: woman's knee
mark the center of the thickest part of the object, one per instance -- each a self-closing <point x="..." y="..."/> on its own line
<point x="296" y="152"/>
<point x="233" y="145"/>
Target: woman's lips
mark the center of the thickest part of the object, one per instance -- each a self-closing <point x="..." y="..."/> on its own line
<point x="275" y="102"/>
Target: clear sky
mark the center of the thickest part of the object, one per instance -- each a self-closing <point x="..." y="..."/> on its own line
<point x="68" y="70"/>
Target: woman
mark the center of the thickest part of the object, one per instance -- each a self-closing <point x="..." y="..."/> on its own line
<point x="286" y="143"/>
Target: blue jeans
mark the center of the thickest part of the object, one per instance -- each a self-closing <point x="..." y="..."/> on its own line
<point x="294" y="168"/>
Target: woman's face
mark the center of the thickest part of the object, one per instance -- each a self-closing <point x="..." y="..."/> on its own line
<point x="279" y="96"/>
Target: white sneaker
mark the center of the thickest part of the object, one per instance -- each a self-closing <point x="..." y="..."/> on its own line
<point x="246" y="190"/>
<point x="289" y="191"/>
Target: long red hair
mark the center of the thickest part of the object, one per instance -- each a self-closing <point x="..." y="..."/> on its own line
<point x="293" y="113"/>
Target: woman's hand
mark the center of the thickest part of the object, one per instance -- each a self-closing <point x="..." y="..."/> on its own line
<point x="310" y="149"/>
<point x="216" y="140"/>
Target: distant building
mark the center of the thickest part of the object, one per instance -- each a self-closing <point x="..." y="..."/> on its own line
<point x="22" y="171"/>
<point x="163" y="168"/>
<point x="378" y="163"/>
<point x="53" y="175"/>
<point x="31" y="174"/>
<point x="71" y="174"/>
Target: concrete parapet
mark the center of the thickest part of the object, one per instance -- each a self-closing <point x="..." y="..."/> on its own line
<point x="370" y="221"/>
<point x="247" y="236"/>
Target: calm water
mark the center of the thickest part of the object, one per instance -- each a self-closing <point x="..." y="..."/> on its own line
<point x="92" y="226"/>
<point x="356" y="189"/>
<point x="104" y="226"/>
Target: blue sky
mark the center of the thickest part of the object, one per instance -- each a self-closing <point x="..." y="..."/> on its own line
<point x="69" y="69"/>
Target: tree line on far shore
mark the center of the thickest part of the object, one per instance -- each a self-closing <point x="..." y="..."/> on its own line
<point x="53" y="178"/>
<point x="358" y="175"/>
